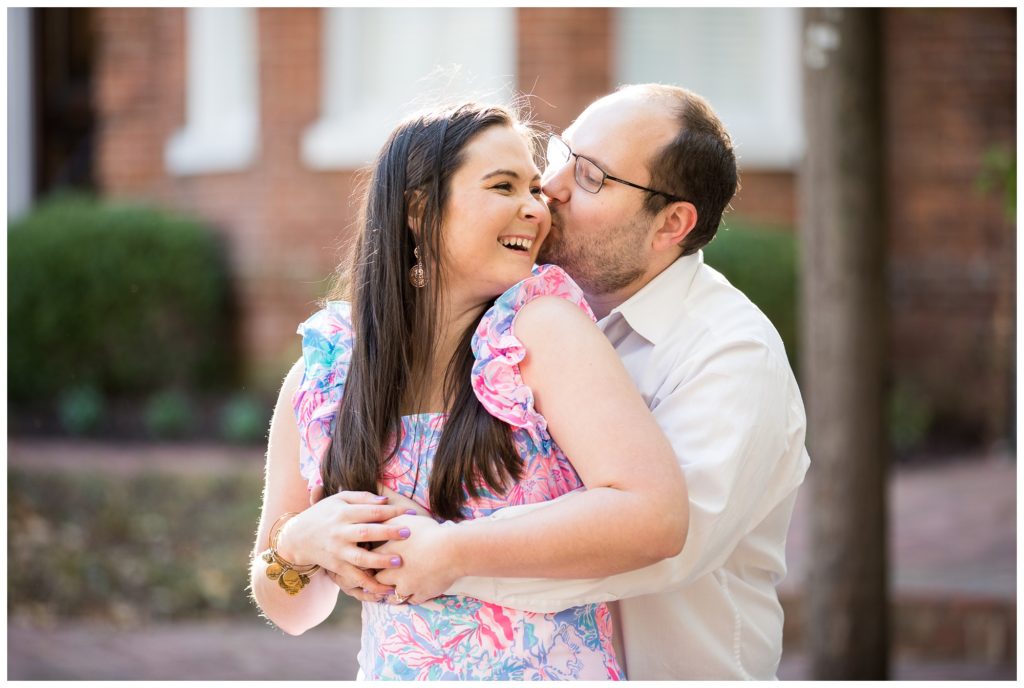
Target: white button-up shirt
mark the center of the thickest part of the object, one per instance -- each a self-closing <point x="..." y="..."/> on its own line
<point x="714" y="373"/>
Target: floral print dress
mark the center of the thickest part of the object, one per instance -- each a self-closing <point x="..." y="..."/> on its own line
<point x="456" y="637"/>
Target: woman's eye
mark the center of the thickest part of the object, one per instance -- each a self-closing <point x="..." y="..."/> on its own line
<point x="535" y="190"/>
<point x="504" y="186"/>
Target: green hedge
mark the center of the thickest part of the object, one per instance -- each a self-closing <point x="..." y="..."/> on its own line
<point x="762" y="263"/>
<point x="122" y="298"/>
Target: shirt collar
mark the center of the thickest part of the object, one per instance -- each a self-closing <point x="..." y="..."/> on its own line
<point x="650" y="311"/>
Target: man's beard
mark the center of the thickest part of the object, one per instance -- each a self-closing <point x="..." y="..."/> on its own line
<point x="599" y="265"/>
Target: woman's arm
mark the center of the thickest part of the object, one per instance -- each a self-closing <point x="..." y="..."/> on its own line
<point x="325" y="533"/>
<point x="635" y="509"/>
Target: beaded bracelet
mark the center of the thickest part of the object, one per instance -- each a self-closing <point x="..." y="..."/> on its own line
<point x="291" y="577"/>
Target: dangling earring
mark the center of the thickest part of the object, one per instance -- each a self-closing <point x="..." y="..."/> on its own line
<point x="417" y="275"/>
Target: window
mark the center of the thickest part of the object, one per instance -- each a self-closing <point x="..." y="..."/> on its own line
<point x="381" y="64"/>
<point x="20" y="163"/>
<point x="746" y="62"/>
<point x="221" y="132"/>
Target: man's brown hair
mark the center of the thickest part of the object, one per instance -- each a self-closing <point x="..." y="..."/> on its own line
<point x="698" y="164"/>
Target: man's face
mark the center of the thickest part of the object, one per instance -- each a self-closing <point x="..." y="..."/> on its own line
<point x="603" y="240"/>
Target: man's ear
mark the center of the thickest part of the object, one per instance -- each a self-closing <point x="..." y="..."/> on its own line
<point x="416" y="201"/>
<point x="676" y="220"/>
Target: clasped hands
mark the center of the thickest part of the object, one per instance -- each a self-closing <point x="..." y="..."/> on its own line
<point x="412" y="562"/>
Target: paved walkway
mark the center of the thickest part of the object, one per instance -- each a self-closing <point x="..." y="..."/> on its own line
<point x="953" y="529"/>
<point x="253" y="651"/>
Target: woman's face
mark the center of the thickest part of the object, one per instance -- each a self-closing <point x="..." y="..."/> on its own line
<point x="495" y="218"/>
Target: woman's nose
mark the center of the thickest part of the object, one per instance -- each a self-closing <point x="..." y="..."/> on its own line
<point x="536" y="210"/>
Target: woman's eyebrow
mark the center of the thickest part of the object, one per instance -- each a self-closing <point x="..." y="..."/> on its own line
<point x="495" y="173"/>
<point x="509" y="173"/>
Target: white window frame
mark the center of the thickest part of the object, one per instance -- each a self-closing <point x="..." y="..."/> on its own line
<point x="358" y="112"/>
<point x="221" y="132"/>
<point x="20" y="133"/>
<point x="767" y="127"/>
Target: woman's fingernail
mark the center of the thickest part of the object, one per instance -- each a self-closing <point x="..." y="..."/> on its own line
<point x="411" y="512"/>
<point x="380" y="498"/>
<point x="396" y="561"/>
<point x="404" y="532"/>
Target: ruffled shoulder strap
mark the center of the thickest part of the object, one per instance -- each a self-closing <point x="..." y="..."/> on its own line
<point x="496" y="379"/>
<point x="327" y="340"/>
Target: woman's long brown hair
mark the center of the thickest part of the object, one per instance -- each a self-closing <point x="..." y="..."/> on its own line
<point x="396" y="325"/>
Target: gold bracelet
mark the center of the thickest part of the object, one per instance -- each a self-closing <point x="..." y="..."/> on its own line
<point x="275" y="534"/>
<point x="291" y="577"/>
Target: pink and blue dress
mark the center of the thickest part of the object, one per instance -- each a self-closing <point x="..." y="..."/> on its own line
<point x="456" y="637"/>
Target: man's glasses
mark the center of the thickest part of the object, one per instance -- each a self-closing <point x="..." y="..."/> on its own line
<point x="588" y="175"/>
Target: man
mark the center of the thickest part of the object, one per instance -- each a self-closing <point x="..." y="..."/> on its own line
<point x="637" y="186"/>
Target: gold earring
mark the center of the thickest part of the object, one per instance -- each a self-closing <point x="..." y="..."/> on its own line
<point x="417" y="275"/>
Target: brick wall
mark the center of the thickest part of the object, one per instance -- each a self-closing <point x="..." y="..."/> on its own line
<point x="766" y="196"/>
<point x="950" y="90"/>
<point x="565" y="63"/>
<point x="951" y="94"/>
<point x="139" y="96"/>
<point x="564" y="60"/>
<point x="283" y="223"/>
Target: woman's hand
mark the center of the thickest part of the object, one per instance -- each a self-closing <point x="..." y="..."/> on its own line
<point x="399" y="500"/>
<point x="328" y="533"/>
<point x="428" y="567"/>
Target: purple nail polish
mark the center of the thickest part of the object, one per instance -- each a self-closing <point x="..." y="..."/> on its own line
<point x="404" y="532"/>
<point x="411" y="512"/>
<point x="380" y="498"/>
<point x="396" y="561"/>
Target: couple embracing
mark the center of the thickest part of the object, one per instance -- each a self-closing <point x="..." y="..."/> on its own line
<point x="536" y="435"/>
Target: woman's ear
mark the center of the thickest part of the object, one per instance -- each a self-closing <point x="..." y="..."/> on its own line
<point x="416" y="200"/>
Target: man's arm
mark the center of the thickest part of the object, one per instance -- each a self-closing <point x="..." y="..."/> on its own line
<point x="737" y="429"/>
<point x="596" y="416"/>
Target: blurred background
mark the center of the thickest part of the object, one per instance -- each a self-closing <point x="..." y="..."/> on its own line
<point x="180" y="189"/>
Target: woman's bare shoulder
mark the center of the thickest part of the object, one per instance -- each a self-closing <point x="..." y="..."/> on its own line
<point x="552" y="325"/>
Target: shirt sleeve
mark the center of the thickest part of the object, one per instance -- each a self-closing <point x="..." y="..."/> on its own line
<point x="736" y="424"/>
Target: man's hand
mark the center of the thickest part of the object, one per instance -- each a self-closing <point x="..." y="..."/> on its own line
<point x="329" y="531"/>
<point x="428" y="567"/>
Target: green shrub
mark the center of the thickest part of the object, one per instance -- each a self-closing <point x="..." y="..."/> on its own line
<point x="119" y="297"/>
<point x="168" y="414"/>
<point x="244" y="419"/>
<point x="80" y="410"/>
<point x="909" y="417"/>
<point x="762" y="263"/>
<point x="999" y="175"/>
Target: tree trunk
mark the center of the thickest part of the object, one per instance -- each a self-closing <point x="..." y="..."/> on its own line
<point x="842" y="227"/>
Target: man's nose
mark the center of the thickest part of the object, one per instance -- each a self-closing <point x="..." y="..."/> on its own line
<point x="557" y="185"/>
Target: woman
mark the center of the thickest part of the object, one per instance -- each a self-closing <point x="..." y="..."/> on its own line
<point x="448" y="379"/>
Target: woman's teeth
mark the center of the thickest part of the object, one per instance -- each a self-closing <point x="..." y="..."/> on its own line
<point x="517" y="243"/>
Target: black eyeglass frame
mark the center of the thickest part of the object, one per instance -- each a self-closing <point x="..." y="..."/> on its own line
<point x="605" y="176"/>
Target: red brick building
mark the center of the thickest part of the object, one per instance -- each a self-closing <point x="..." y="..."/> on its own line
<point x="256" y="120"/>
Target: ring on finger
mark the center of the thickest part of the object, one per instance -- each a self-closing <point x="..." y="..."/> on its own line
<point x="401" y="599"/>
